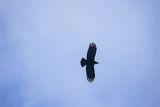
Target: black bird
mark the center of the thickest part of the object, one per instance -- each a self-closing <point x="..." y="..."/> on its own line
<point x="90" y="62"/>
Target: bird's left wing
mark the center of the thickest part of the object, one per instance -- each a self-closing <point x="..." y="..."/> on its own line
<point x="90" y="73"/>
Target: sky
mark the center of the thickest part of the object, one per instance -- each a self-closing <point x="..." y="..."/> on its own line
<point x="43" y="41"/>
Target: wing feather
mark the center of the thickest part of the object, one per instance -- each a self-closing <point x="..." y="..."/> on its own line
<point x="90" y="72"/>
<point x="91" y="51"/>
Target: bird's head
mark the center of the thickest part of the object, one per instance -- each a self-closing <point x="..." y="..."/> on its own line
<point x="95" y="62"/>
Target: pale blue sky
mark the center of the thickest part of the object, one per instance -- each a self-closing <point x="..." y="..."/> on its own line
<point x="42" y="42"/>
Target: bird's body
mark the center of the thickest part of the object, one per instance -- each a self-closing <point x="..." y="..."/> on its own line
<point x="90" y="62"/>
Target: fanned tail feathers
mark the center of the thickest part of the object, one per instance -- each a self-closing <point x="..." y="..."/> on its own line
<point x="83" y="62"/>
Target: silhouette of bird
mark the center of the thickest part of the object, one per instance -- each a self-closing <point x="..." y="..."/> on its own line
<point x="90" y="62"/>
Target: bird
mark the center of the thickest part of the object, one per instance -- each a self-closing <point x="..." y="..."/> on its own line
<point x="90" y="62"/>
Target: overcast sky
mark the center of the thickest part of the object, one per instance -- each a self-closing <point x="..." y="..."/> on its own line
<point x="43" y="41"/>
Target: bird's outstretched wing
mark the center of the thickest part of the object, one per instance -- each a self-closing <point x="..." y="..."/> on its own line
<point x="90" y="73"/>
<point x="91" y="52"/>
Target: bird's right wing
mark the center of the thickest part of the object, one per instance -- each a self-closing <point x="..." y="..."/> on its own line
<point x="91" y="51"/>
<point x="90" y="73"/>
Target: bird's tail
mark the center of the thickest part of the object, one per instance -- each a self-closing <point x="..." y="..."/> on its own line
<point x="83" y="62"/>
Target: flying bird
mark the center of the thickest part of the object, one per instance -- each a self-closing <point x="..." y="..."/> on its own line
<point x="90" y="62"/>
